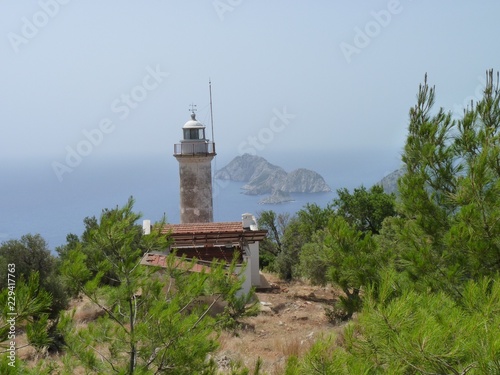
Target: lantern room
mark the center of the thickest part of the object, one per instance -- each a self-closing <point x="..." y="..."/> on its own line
<point x="193" y="130"/>
<point x="194" y="142"/>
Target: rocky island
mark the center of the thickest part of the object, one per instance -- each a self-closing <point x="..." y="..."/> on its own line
<point x="262" y="177"/>
<point x="390" y="182"/>
<point x="277" y="197"/>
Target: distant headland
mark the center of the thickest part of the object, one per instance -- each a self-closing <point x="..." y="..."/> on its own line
<point x="262" y="178"/>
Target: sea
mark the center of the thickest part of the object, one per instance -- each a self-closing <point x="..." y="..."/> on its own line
<point x="33" y="199"/>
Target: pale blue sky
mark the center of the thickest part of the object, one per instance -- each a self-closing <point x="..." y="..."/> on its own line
<point x="93" y="94"/>
<point x="69" y="74"/>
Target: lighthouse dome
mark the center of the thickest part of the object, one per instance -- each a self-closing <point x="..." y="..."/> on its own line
<point x="193" y="123"/>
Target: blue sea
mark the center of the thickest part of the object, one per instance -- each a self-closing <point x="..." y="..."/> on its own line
<point x="33" y="200"/>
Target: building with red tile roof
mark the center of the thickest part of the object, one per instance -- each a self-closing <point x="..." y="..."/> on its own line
<point x="206" y="242"/>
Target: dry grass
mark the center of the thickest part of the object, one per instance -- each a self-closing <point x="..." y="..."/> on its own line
<point x="289" y="346"/>
<point x="293" y="320"/>
<point x="85" y="311"/>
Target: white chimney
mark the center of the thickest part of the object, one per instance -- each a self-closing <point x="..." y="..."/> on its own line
<point x="249" y="222"/>
<point x="146" y="226"/>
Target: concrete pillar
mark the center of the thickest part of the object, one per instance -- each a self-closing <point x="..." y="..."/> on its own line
<point x="253" y="263"/>
<point x="247" y="284"/>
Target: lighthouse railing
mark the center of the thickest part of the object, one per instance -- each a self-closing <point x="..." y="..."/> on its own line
<point x="194" y="149"/>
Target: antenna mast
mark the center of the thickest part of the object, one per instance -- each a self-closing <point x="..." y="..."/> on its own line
<point x="211" y="111"/>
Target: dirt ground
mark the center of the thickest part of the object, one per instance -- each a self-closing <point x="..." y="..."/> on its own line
<point x="291" y="319"/>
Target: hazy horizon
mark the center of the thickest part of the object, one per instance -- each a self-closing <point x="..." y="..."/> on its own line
<point x="56" y="209"/>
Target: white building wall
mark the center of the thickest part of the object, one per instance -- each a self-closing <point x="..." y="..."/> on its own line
<point x="253" y="265"/>
<point x="247" y="284"/>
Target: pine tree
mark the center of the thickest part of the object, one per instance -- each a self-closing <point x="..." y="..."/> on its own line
<point x="365" y="209"/>
<point x="154" y="322"/>
<point x="449" y="193"/>
<point x="402" y="331"/>
<point x="434" y="307"/>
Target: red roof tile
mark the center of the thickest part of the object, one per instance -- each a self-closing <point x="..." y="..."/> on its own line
<point x="202" y="228"/>
<point x="159" y="260"/>
<point x="196" y="234"/>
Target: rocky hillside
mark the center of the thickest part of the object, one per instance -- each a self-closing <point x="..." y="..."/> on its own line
<point x="390" y="182"/>
<point x="246" y="168"/>
<point x="291" y="319"/>
<point x="263" y="177"/>
<point x="304" y="181"/>
<point x="277" y="197"/>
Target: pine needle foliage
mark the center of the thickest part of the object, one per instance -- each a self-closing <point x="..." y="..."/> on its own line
<point x="433" y="306"/>
<point x="449" y="193"/>
<point x="346" y="257"/>
<point x="402" y="331"/>
<point x="156" y="321"/>
<point x="32" y="309"/>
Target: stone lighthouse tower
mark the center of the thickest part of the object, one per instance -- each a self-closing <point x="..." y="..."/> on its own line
<point x="195" y="154"/>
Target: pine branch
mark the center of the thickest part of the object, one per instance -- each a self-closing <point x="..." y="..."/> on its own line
<point x="203" y="315"/>
<point x="108" y="311"/>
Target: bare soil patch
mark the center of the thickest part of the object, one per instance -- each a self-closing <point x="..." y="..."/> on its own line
<point x="292" y="318"/>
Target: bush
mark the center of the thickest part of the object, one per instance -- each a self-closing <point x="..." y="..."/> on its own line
<point x="30" y="254"/>
<point x="401" y="331"/>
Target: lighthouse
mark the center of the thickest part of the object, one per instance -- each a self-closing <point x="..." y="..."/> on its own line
<point x="194" y="154"/>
